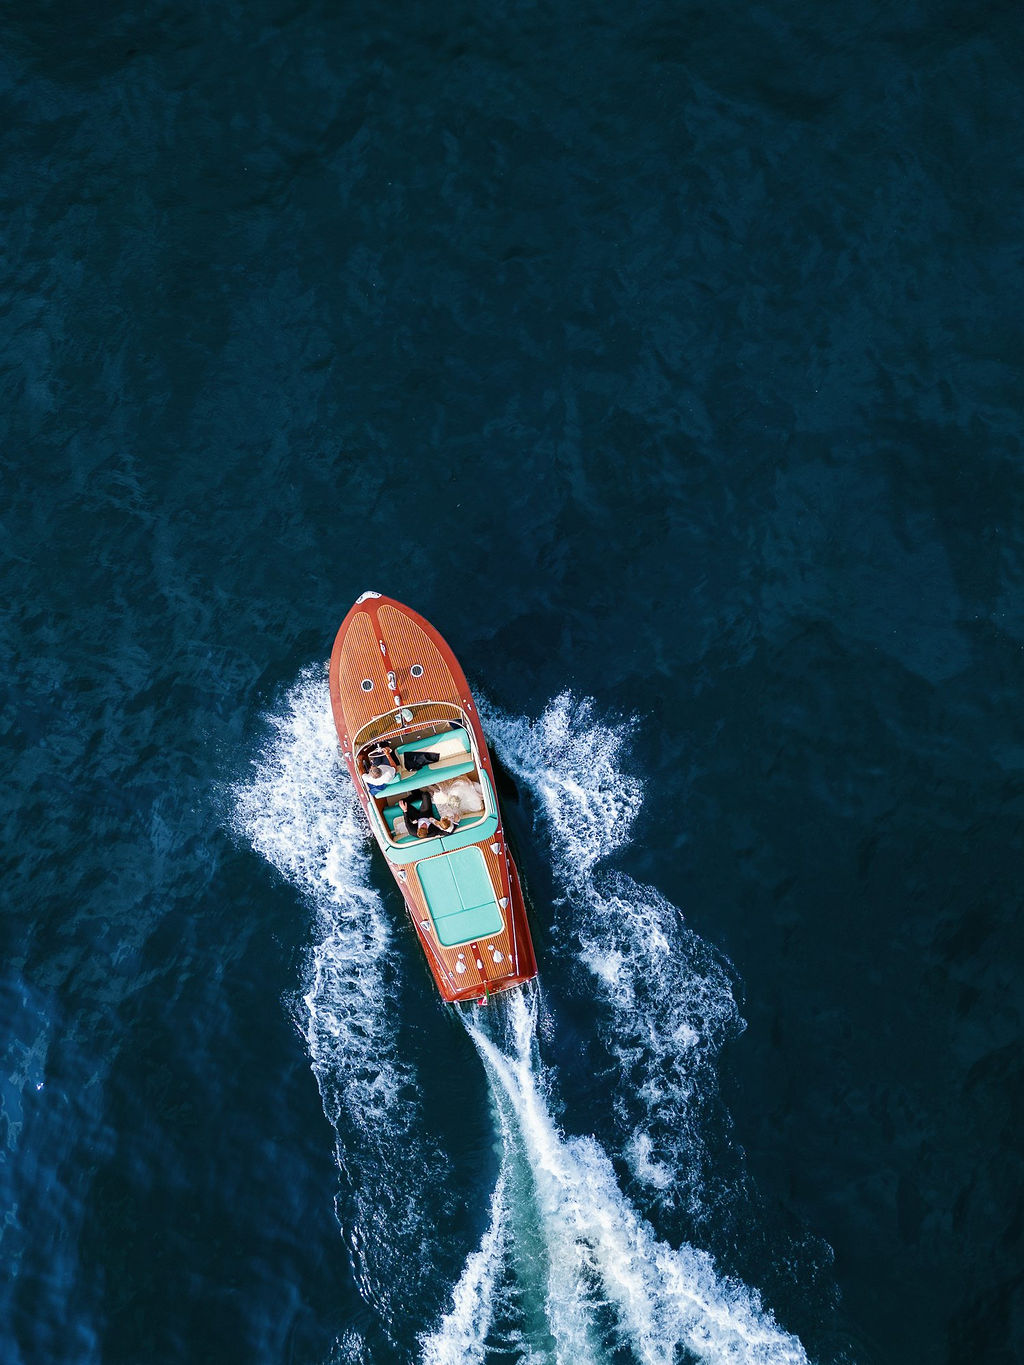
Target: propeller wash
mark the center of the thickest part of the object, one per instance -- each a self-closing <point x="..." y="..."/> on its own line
<point x="568" y="1270"/>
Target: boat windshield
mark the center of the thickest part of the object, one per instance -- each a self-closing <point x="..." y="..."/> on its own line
<point x="405" y="721"/>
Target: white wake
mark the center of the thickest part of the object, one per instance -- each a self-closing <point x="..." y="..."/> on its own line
<point x="298" y="810"/>
<point x="667" y="996"/>
<point x="608" y="1283"/>
<point x="567" y="1270"/>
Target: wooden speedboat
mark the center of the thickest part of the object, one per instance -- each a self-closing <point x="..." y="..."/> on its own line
<point x="396" y="687"/>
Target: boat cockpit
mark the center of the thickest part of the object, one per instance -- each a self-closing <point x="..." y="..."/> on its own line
<point x="436" y="753"/>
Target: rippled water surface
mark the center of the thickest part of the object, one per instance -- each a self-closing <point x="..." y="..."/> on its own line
<point x="668" y="359"/>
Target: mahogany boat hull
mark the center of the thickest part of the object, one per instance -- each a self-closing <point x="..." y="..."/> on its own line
<point x="394" y="680"/>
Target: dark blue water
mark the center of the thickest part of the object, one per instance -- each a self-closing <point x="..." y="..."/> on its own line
<point x="667" y="356"/>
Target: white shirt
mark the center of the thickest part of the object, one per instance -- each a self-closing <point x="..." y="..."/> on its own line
<point x="387" y="774"/>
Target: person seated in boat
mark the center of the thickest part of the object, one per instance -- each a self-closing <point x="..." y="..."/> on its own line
<point x="419" y="815"/>
<point x="380" y="768"/>
<point x="449" y="810"/>
<point x="379" y="777"/>
<point x="378" y="755"/>
<point x="458" y="796"/>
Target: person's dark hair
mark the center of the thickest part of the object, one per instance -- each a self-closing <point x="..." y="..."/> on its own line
<point x="375" y="772"/>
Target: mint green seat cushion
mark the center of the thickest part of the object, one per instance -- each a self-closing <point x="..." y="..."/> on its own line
<point x="479" y="830"/>
<point x="460" y="896"/>
<point x="415" y="746"/>
<point x="426" y="777"/>
<point x="465" y="926"/>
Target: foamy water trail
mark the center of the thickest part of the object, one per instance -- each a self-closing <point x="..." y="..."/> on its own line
<point x="497" y="1309"/>
<point x="611" y="1284"/>
<point x="298" y="810"/>
<point x="461" y="1338"/>
<point x="567" y="1268"/>
<point x="668" y="997"/>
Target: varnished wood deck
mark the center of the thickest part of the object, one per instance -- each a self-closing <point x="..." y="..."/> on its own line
<point x="380" y="640"/>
